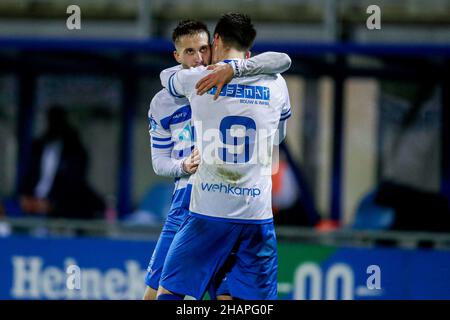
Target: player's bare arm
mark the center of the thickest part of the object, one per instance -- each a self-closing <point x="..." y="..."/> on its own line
<point x="221" y="75"/>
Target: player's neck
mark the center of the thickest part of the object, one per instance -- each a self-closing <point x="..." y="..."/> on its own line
<point x="233" y="54"/>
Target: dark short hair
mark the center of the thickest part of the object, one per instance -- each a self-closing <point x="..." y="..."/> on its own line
<point x="236" y="30"/>
<point x="189" y="27"/>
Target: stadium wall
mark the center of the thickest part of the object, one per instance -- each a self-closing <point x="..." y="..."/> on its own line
<point x="115" y="269"/>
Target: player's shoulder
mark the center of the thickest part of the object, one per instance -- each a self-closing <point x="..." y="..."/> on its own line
<point x="164" y="103"/>
<point x="277" y="85"/>
<point x="162" y="97"/>
<point x="169" y="71"/>
<point x="189" y="77"/>
<point x="166" y="74"/>
<point x="280" y="78"/>
<point x="173" y="69"/>
<point x="259" y="78"/>
<point x="280" y="81"/>
<point x="194" y="71"/>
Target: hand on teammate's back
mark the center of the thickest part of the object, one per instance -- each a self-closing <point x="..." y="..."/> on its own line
<point x="221" y="75"/>
<point x="190" y="164"/>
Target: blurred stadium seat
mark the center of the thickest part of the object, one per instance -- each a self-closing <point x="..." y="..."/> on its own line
<point x="153" y="207"/>
<point x="372" y="216"/>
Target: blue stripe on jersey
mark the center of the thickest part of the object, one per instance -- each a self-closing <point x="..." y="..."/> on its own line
<point x="285" y="113"/>
<point x="161" y="146"/>
<point x="181" y="115"/>
<point x="170" y="85"/>
<point x="162" y="139"/>
<point x="285" y="116"/>
<point x="184" y="152"/>
<point x="172" y="90"/>
<point x="243" y="221"/>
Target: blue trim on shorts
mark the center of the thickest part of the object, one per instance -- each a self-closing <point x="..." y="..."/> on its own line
<point x="243" y="221"/>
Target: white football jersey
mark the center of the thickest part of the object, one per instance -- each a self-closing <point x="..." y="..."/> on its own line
<point x="235" y="137"/>
<point x="170" y="127"/>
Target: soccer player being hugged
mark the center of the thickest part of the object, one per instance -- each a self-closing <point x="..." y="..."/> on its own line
<point x="171" y="131"/>
<point x="230" y="208"/>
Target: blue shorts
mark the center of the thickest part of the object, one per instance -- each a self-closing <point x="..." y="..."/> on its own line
<point x="202" y="247"/>
<point x="177" y="214"/>
<point x="174" y="220"/>
<point x="219" y="284"/>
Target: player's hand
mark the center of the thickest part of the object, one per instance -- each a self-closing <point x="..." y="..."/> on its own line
<point x="190" y="164"/>
<point x="221" y="75"/>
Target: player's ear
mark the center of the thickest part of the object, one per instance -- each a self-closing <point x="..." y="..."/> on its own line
<point x="176" y="56"/>
<point x="248" y="54"/>
<point x="215" y="39"/>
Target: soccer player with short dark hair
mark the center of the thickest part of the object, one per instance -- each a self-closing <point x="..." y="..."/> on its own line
<point x="230" y="206"/>
<point x="171" y="132"/>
